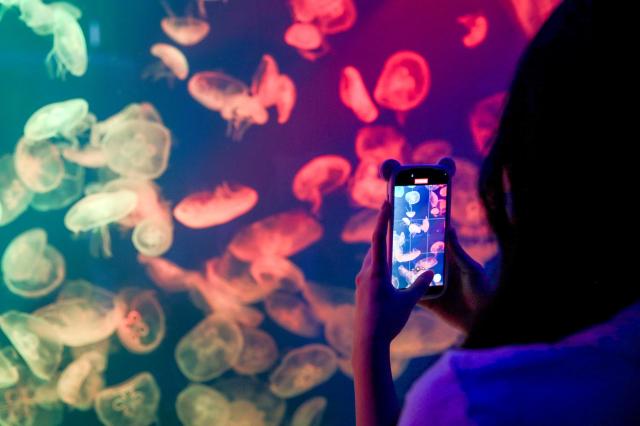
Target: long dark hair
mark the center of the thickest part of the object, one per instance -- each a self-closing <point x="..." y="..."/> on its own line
<point x="545" y="185"/>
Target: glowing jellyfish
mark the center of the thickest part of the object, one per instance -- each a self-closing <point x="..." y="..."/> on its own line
<point x="9" y="374"/>
<point x="153" y="236"/>
<point x="412" y="197"/>
<point x="303" y="369"/>
<point x="292" y="313"/>
<point x="424" y="334"/>
<point x="335" y="16"/>
<point x="310" y="412"/>
<point x="272" y="273"/>
<point x="280" y="235"/>
<point x="137" y="148"/>
<point x="143" y="327"/>
<point x="252" y="403"/>
<point x="135" y="111"/>
<point x="205" y="209"/>
<point x="14" y="195"/>
<point x="286" y="100"/>
<point x="531" y="14"/>
<point x="80" y="382"/>
<point x="354" y="95"/>
<point x="84" y="314"/>
<point x="484" y="120"/>
<point x="320" y="176"/>
<point x="258" y="354"/>
<point x="69" y="53"/>
<point x="404" y="82"/>
<point x="66" y="119"/>
<point x="241" y="113"/>
<point x="426" y="263"/>
<point x="433" y="199"/>
<point x="265" y="81"/>
<point x="173" y="64"/>
<point x="186" y="31"/>
<point x="359" y="228"/>
<point x="39" y="165"/>
<point x="431" y="151"/>
<point x="100" y="209"/>
<point x="131" y="403"/>
<point x="380" y="143"/>
<point x="232" y="277"/>
<point x="149" y="202"/>
<point x="366" y="188"/>
<point x="68" y="191"/>
<point x="32" y="268"/>
<point x="214" y="89"/>
<point x="338" y="330"/>
<point x="34" y="340"/>
<point x="304" y="36"/>
<point x="199" y="405"/>
<point x="477" y="26"/>
<point x="209" y="349"/>
<point x="437" y="247"/>
<point x="166" y="274"/>
<point x="98" y="353"/>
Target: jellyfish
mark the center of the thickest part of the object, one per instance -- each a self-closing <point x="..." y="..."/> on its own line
<point x="531" y="14"/>
<point x="484" y="120"/>
<point x="265" y="81"/>
<point x="252" y="396"/>
<point x="209" y="349"/>
<point x="310" y="412"/>
<point x="335" y="16"/>
<point x="322" y="175"/>
<point x="186" y="31"/>
<point x="304" y="36"/>
<point x="80" y="382"/>
<point x="149" y="203"/>
<point x="69" y="53"/>
<point x="97" y="353"/>
<point x="258" y="353"/>
<point x="83" y="314"/>
<point x="137" y="148"/>
<point x="32" y="268"/>
<point x="292" y="313"/>
<point x="14" y="195"/>
<point x="286" y="100"/>
<point x="135" y="111"/>
<point x="133" y="402"/>
<point x="412" y="197"/>
<point x="272" y="273"/>
<point x="302" y="369"/>
<point x="366" y="188"/>
<point x="424" y="334"/>
<point x="143" y="327"/>
<point x="359" y="228"/>
<point x="173" y="64"/>
<point x="241" y="113"/>
<point x="34" y="340"/>
<point x="66" y="119"/>
<point x="431" y="151"/>
<point x="39" y="165"/>
<point x="153" y="236"/>
<point x="380" y="143"/>
<point x="9" y="374"/>
<point x="232" y="277"/>
<point x="477" y="26"/>
<point x="437" y="247"/>
<point x="206" y="209"/>
<point x="200" y="405"/>
<point x="404" y="82"/>
<point x="68" y="191"/>
<point x="338" y="330"/>
<point x="280" y="235"/>
<point x="214" y="89"/>
<point x="167" y="275"/>
<point x="354" y="95"/>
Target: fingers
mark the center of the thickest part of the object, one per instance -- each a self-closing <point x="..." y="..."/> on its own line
<point x="379" y="241"/>
<point x="419" y="287"/>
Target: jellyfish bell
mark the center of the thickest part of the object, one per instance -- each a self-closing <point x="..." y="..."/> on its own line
<point x="404" y="82"/>
<point x="143" y="327"/>
<point x="437" y="247"/>
<point x="14" y="195"/>
<point x="215" y="89"/>
<point x="149" y="202"/>
<point x="264" y="84"/>
<point x="167" y="275"/>
<point x="258" y="353"/>
<point x="304" y="36"/>
<point x="252" y="403"/>
<point x="412" y="197"/>
<point x="310" y="412"/>
<point x="173" y="64"/>
<point x="57" y="119"/>
<point x="200" y="405"/>
<point x="206" y="209"/>
<point x="137" y="148"/>
<point x="293" y="313"/>
<point x="153" y="236"/>
<point x="100" y="209"/>
<point x="79" y="383"/>
<point x="302" y="369"/>
<point x="320" y="176"/>
<point x="335" y="16"/>
<point x="39" y="165"/>
<point x="484" y="120"/>
<point x="425" y="334"/>
<point x="354" y="95"/>
<point x="272" y="273"/>
<point x="286" y="100"/>
<point x="380" y="143"/>
<point x="366" y="188"/>
<point x="477" y="27"/>
<point x="233" y="277"/>
<point x="186" y="31"/>
<point x="69" y="52"/>
<point x="132" y="402"/>
<point x="359" y="228"/>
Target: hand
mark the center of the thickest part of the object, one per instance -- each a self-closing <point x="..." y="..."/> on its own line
<point x="381" y="309"/>
<point x="467" y="291"/>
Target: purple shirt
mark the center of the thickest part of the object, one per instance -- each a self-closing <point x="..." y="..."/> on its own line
<point x="590" y="378"/>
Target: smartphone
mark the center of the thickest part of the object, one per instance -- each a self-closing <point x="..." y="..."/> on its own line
<point x="420" y="198"/>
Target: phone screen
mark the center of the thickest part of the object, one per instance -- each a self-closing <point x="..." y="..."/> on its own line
<point x="419" y="225"/>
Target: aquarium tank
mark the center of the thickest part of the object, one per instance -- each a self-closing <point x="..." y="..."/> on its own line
<point x="188" y="189"/>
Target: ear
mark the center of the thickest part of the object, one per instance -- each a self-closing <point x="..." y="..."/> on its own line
<point x="388" y="167"/>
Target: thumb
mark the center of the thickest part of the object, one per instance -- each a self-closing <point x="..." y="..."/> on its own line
<point x="419" y="286"/>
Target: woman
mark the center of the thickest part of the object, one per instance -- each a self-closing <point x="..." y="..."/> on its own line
<point x="558" y="342"/>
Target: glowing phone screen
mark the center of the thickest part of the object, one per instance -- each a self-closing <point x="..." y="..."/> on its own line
<point x="419" y="225"/>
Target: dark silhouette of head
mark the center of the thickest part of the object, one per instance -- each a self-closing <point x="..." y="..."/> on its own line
<point x="547" y="186"/>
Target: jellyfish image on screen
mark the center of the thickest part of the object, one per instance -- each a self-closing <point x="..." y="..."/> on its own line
<point x="418" y="232"/>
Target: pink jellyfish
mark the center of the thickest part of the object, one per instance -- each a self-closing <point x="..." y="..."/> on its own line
<point x="172" y="63"/>
<point x="322" y="175"/>
<point x="531" y="14"/>
<point x="477" y="26"/>
<point x="404" y="82"/>
<point x="366" y="188"/>
<point x="484" y="120"/>
<point x="430" y="152"/>
<point x="437" y="247"/>
<point x="206" y="209"/>
<point x="380" y="143"/>
<point x="359" y="228"/>
<point x="186" y="31"/>
<point x="271" y="88"/>
<point x="304" y="36"/>
<point x="286" y="99"/>
<point x="355" y="96"/>
<point x="214" y="89"/>
<point x="332" y="16"/>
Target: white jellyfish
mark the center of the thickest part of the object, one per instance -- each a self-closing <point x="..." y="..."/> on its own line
<point x="131" y="403"/>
